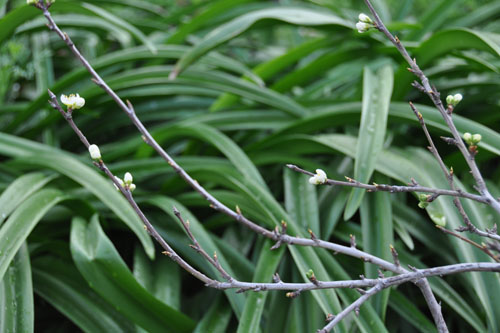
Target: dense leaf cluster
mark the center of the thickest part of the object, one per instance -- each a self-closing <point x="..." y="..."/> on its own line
<point x="234" y="90"/>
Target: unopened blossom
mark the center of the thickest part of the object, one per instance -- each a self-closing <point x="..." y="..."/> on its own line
<point x="73" y="101"/>
<point x="119" y="181"/>
<point x="453" y="100"/>
<point x="472" y="139"/>
<point x="95" y="153"/>
<point x="127" y="178"/>
<point x="364" y="18"/>
<point x="318" y="178"/>
<point x="476" y="138"/>
<point x="365" y="23"/>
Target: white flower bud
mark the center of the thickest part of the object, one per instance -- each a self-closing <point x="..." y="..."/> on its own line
<point x="131" y="187"/>
<point x="449" y="99"/>
<point x="362" y="27"/>
<point x="364" y="18"/>
<point x="128" y="178"/>
<point x="95" y="153"/>
<point x="476" y="138"/>
<point x="73" y="101"/>
<point x="467" y="137"/>
<point x="318" y="178"/>
<point x="453" y="100"/>
<point x="321" y="176"/>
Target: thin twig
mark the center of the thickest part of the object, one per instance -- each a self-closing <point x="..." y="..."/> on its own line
<point x="434" y="95"/>
<point x="449" y="177"/>
<point x="280" y="238"/>
<point x="128" y="195"/>
<point x="393" y="188"/>
<point x="483" y="248"/>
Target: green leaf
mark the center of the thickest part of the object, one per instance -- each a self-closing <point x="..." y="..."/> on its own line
<point x="19" y="225"/>
<point x="410" y="312"/>
<point x="121" y="23"/>
<point x="61" y="285"/>
<point x="293" y="15"/>
<point x="19" y="190"/>
<point x="101" y="187"/>
<point x="377" y="229"/>
<point x="16" y="295"/>
<point x="10" y="22"/>
<point x="220" y="141"/>
<point x="237" y="300"/>
<point x="160" y="277"/>
<point x="434" y="17"/>
<point x="377" y="91"/>
<point x="254" y="305"/>
<point x="205" y="17"/>
<point x="100" y="264"/>
<point x="216" y="318"/>
<point x="267" y="69"/>
<point x="300" y="200"/>
<point x="442" y="43"/>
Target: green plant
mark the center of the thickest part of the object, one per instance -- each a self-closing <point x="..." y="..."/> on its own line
<point x="314" y="88"/>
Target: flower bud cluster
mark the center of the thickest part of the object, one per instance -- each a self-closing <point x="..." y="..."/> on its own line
<point x="472" y="139"/>
<point x="126" y="182"/>
<point x="453" y="100"/>
<point x="365" y="23"/>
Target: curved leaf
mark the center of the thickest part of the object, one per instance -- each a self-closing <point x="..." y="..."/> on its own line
<point x="16" y="295"/>
<point x="19" y="190"/>
<point x="293" y="15"/>
<point x="19" y="225"/>
<point x="377" y="91"/>
<point x="60" y="284"/>
<point x="100" y="264"/>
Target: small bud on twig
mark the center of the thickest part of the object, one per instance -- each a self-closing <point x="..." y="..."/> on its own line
<point x="319" y="178"/>
<point x="95" y="153"/>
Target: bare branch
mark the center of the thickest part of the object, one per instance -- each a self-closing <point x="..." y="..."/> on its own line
<point x="434" y="95"/>
<point x="393" y="188"/>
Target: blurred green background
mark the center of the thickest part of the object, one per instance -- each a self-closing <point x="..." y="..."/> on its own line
<point x="261" y="84"/>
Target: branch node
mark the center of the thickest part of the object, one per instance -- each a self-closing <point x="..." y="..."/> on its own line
<point x="395" y="256"/>
<point x="293" y="294"/>
<point x="413" y="269"/>
<point x="313" y="236"/>
<point x="353" y="241"/>
<point x="361" y="291"/>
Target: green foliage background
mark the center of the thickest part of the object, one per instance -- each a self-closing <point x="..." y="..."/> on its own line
<point x="261" y="84"/>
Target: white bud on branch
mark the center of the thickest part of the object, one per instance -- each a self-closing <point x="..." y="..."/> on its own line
<point x="319" y="178"/>
<point x="472" y="139"/>
<point x="73" y="101"/>
<point x="95" y="153"/>
<point x="365" y="23"/>
<point x="128" y="178"/>
<point x="364" y="18"/>
<point x="453" y="100"/>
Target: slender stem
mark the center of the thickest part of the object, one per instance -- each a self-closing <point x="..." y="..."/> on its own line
<point x="483" y="248"/>
<point x="449" y="176"/>
<point x="128" y="195"/>
<point x="279" y="238"/>
<point x="394" y="188"/>
<point x="434" y="95"/>
<point x="378" y="285"/>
